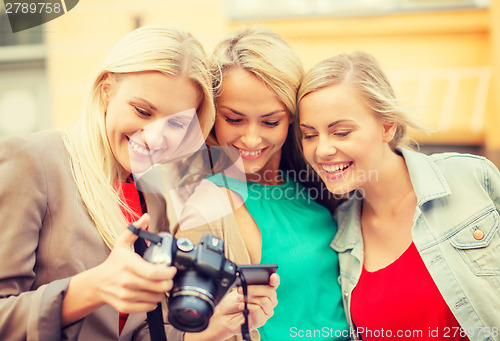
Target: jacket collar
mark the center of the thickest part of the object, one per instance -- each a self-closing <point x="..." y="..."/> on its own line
<point x="427" y="179"/>
<point x="428" y="183"/>
<point x="348" y="218"/>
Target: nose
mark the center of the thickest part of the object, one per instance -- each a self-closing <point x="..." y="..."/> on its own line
<point x="154" y="134"/>
<point x="325" y="147"/>
<point x="251" y="136"/>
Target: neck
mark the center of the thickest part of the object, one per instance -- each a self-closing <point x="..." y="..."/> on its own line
<point x="270" y="174"/>
<point x="383" y="196"/>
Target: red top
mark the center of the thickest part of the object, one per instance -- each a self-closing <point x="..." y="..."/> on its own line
<point x="401" y="301"/>
<point x="130" y="195"/>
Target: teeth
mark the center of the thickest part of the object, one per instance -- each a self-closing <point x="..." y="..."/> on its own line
<point x="250" y="153"/>
<point x="139" y="149"/>
<point x="336" y="168"/>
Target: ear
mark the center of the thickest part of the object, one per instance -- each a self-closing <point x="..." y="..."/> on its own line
<point x="106" y="86"/>
<point x="389" y="130"/>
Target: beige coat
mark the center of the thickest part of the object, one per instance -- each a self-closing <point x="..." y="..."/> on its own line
<point x="46" y="237"/>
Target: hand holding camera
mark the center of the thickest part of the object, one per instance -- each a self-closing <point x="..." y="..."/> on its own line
<point x="204" y="276"/>
<point x="123" y="281"/>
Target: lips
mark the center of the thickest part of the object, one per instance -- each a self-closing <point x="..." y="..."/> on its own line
<point x="139" y="149"/>
<point x="250" y="154"/>
<point x="336" y="170"/>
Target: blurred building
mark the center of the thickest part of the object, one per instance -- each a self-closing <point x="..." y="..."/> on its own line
<point x="443" y="56"/>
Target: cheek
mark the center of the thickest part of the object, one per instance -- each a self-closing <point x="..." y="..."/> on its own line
<point x="308" y="151"/>
<point x="222" y="132"/>
<point x="278" y="135"/>
<point x="110" y="127"/>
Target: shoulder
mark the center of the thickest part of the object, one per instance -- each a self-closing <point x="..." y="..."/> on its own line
<point x="208" y="203"/>
<point x="38" y="144"/>
<point x="466" y="169"/>
<point x="31" y="150"/>
<point x="464" y="162"/>
<point x="460" y="166"/>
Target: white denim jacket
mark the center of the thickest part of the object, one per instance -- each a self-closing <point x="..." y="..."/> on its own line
<point x="457" y="194"/>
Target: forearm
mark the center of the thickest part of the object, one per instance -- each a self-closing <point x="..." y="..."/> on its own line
<point x="81" y="298"/>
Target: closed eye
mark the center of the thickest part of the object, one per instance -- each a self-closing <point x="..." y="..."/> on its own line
<point x="230" y="120"/>
<point x="142" y="112"/>
<point x="272" y="124"/>
<point x="308" y="136"/>
<point x="176" y="124"/>
<point x="342" y="133"/>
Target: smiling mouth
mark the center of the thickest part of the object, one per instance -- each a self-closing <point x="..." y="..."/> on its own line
<point x="337" y="168"/>
<point x="250" y="154"/>
<point x="139" y="149"/>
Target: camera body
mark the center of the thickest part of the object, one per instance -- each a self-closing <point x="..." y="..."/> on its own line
<point x="204" y="275"/>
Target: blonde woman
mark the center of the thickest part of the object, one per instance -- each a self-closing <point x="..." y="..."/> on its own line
<point x="419" y="234"/>
<point x="278" y="219"/>
<point x="67" y="265"/>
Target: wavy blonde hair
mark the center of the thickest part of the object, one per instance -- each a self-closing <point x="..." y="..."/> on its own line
<point x="361" y="71"/>
<point x="165" y="49"/>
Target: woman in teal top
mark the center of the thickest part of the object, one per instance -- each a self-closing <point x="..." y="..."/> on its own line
<point x="296" y="232"/>
<point x="276" y="220"/>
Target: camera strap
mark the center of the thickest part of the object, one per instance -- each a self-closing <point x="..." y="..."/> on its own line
<point x="245" y="330"/>
<point x="155" y="317"/>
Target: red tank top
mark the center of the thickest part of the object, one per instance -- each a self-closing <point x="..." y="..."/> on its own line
<point x="401" y="301"/>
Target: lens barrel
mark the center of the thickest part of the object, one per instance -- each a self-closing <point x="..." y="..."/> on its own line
<point x="191" y="303"/>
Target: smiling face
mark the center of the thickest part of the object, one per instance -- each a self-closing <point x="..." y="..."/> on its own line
<point x="148" y="114"/>
<point x="251" y="119"/>
<point x="342" y="139"/>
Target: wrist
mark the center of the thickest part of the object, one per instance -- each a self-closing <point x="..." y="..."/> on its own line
<point x="81" y="298"/>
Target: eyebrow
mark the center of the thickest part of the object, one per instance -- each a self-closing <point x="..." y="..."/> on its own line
<point x="329" y="126"/>
<point x="149" y="104"/>
<point x="241" y="114"/>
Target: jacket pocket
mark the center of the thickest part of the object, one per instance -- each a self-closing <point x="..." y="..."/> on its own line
<point x="478" y="243"/>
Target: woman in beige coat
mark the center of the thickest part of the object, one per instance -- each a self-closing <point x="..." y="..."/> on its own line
<point x="67" y="265"/>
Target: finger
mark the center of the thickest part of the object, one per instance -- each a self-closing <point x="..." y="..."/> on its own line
<point x="136" y="283"/>
<point x="259" y="291"/>
<point x="142" y="222"/>
<point x="274" y="280"/>
<point x="264" y="304"/>
<point x="134" y="307"/>
<point x="230" y="303"/>
<point x="127" y="238"/>
<point x="138" y="296"/>
<point x="150" y="271"/>
<point x="258" y="317"/>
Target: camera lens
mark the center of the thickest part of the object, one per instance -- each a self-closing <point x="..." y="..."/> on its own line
<point x="191" y="302"/>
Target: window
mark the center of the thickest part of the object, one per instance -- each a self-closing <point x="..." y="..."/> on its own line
<point x="24" y="94"/>
<point x="267" y="9"/>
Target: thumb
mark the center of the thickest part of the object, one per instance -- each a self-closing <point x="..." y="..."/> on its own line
<point x="274" y="281"/>
<point x="128" y="238"/>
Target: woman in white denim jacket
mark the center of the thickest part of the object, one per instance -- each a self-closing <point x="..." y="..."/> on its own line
<point x="445" y="206"/>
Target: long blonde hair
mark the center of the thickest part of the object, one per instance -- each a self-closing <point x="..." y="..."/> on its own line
<point x="361" y="71"/>
<point x="160" y="48"/>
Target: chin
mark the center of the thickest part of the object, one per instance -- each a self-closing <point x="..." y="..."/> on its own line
<point x="338" y="189"/>
<point x="252" y="169"/>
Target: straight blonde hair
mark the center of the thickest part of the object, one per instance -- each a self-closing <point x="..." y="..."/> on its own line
<point x="361" y="71"/>
<point x="164" y="49"/>
<point x="270" y="58"/>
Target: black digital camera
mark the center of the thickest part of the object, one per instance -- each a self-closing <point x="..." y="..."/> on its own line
<point x="204" y="275"/>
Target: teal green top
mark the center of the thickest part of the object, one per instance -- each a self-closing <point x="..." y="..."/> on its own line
<point x="296" y="234"/>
